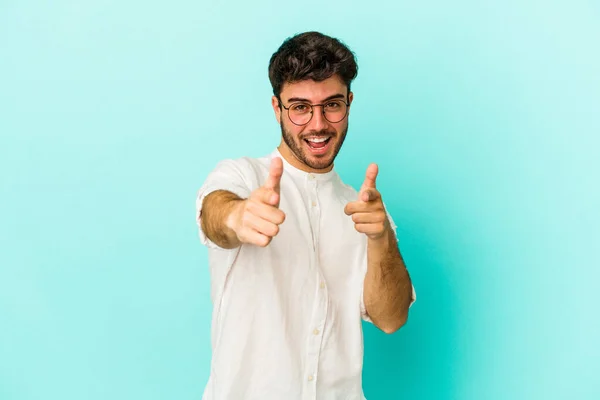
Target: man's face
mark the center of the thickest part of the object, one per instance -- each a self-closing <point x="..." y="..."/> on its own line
<point x="304" y="142"/>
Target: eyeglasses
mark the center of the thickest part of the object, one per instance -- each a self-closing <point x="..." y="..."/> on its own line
<point x="301" y="113"/>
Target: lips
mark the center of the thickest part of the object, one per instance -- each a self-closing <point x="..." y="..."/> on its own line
<point x="318" y="144"/>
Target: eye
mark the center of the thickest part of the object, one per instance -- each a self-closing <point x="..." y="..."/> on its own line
<point x="300" y="108"/>
<point x="333" y="105"/>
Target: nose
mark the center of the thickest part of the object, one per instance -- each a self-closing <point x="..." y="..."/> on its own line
<point x="318" y="121"/>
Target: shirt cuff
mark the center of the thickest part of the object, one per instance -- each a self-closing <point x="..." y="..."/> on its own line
<point x="202" y="193"/>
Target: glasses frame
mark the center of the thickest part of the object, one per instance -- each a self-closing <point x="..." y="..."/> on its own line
<point x="312" y="110"/>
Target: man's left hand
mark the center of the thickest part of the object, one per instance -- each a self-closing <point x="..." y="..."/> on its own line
<point x="367" y="212"/>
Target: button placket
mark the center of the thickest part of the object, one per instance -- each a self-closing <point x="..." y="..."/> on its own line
<point x="316" y="336"/>
<point x="318" y="322"/>
<point x="314" y="210"/>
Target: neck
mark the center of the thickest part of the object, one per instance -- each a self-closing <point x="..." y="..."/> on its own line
<point x="291" y="158"/>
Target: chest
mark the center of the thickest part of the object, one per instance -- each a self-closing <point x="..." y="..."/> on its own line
<point x="317" y="231"/>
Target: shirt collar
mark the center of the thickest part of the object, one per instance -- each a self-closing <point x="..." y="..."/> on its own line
<point x="289" y="168"/>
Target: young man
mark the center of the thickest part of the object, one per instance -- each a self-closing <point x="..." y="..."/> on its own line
<point x="297" y="257"/>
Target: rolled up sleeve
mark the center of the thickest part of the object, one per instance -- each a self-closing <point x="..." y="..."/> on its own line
<point x="363" y="309"/>
<point x="229" y="175"/>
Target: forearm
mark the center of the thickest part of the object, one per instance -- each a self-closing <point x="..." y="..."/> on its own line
<point x="217" y="208"/>
<point x="387" y="286"/>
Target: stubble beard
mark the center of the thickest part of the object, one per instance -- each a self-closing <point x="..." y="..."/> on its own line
<point x="296" y="146"/>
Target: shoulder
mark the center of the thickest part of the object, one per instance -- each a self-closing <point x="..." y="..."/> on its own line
<point x="250" y="170"/>
<point x="247" y="163"/>
<point x="241" y="164"/>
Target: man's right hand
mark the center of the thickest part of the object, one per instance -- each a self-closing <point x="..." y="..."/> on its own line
<point x="256" y="220"/>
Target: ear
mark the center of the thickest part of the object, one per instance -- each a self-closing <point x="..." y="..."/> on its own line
<point x="276" y="109"/>
<point x="350" y="98"/>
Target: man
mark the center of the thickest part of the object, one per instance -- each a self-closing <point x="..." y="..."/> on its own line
<point x="296" y="256"/>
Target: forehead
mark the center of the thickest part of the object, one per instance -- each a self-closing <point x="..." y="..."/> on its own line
<point x="313" y="91"/>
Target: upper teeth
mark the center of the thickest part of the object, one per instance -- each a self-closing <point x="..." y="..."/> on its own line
<point x="317" y="140"/>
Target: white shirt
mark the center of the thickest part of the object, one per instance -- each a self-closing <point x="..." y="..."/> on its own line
<point x="287" y="317"/>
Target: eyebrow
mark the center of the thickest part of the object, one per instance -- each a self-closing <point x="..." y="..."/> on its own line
<point x="334" y="96"/>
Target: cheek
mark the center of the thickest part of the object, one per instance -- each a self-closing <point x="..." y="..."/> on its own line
<point x="293" y="130"/>
<point x="340" y="128"/>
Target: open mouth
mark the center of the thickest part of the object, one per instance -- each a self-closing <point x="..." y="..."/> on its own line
<point x="318" y="145"/>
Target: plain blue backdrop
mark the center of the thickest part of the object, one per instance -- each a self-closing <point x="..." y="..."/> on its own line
<point x="484" y="118"/>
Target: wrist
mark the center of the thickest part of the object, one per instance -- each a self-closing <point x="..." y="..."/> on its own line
<point x="234" y="208"/>
<point x="382" y="239"/>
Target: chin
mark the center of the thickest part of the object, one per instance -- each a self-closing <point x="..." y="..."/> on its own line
<point x="318" y="162"/>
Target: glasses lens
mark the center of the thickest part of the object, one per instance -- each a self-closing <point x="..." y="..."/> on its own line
<point x="335" y="111"/>
<point x="300" y="113"/>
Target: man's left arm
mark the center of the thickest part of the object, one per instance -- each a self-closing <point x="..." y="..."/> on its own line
<point x="388" y="290"/>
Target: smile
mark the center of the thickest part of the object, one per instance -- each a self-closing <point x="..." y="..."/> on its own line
<point x="318" y="145"/>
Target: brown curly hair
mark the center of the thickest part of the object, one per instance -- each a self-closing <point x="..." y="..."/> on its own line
<point x="311" y="55"/>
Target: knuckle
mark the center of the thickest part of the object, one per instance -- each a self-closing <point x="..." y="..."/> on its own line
<point x="269" y="196"/>
<point x="249" y="210"/>
<point x="277" y="217"/>
<point x="243" y="237"/>
<point x="246" y="218"/>
<point x="274" y="230"/>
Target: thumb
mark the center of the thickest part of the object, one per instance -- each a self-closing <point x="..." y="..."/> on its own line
<point x="275" y="172"/>
<point x="370" y="177"/>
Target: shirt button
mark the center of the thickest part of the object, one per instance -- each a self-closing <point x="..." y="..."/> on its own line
<point x="316" y="331"/>
<point x="311" y="176"/>
<point x="314" y="203"/>
<point x="322" y="285"/>
<point x="310" y="377"/>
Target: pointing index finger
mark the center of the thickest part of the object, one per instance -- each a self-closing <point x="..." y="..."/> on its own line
<point x="275" y="172"/>
<point x="370" y="177"/>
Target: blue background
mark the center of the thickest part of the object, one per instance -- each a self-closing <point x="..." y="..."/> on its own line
<point x="484" y="118"/>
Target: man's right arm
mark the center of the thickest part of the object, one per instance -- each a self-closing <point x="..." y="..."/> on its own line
<point x="229" y="221"/>
<point x="217" y="210"/>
